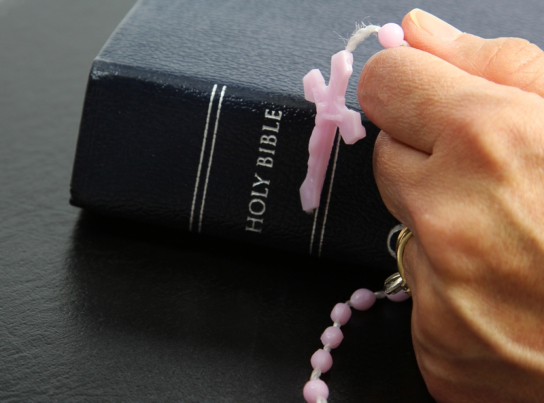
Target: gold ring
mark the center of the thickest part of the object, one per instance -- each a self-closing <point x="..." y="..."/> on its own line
<point x="402" y="240"/>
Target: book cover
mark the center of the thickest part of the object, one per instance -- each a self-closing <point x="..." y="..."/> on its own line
<point x="195" y="118"/>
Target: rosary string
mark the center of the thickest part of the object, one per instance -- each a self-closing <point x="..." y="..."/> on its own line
<point x="332" y="113"/>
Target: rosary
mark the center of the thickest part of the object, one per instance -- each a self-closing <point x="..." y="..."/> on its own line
<point x="332" y="113"/>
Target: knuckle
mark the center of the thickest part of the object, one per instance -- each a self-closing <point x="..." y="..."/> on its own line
<point x="384" y="162"/>
<point x="380" y="78"/>
<point x="423" y="334"/>
<point x="481" y="144"/>
<point x="509" y="58"/>
<point x="442" y="310"/>
<point x="369" y="75"/>
<point x="386" y="173"/>
<point x="381" y="157"/>
<point x="378" y="160"/>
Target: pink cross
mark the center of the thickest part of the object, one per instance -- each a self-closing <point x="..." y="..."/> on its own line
<point x="332" y="112"/>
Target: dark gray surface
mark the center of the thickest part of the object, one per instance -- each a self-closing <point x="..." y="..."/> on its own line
<point x="96" y="309"/>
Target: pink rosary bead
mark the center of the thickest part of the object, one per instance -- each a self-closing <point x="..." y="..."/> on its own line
<point x="341" y="314"/>
<point x="332" y="336"/>
<point x="316" y="390"/>
<point x="391" y="35"/>
<point x="321" y="360"/>
<point x="362" y="299"/>
<point x="398" y="297"/>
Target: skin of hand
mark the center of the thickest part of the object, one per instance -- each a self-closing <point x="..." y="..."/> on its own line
<point x="460" y="161"/>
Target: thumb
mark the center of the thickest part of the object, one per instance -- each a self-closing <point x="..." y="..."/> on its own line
<point x="509" y="61"/>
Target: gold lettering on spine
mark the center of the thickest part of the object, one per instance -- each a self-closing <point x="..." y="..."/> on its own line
<point x="272" y="129"/>
<point x="260" y="181"/>
<point x="253" y="226"/>
<point x="265" y="150"/>
<point x="257" y="204"/>
<point x="257" y="210"/>
<point x="265" y="162"/>
<point x="272" y="140"/>
<point x="274" y="115"/>
<point x="265" y="194"/>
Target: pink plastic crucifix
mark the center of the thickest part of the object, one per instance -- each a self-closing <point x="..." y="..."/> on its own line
<point x="332" y="112"/>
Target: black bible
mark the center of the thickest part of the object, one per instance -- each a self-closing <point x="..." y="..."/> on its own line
<point x="195" y="118"/>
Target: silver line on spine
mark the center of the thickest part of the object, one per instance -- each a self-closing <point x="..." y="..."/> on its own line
<point x="329" y="194"/>
<point x="201" y="157"/>
<point x="211" y="158"/>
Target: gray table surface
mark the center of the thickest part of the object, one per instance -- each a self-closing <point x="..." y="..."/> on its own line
<point x="99" y="309"/>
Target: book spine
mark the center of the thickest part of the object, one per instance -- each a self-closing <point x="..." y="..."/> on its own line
<point x="212" y="158"/>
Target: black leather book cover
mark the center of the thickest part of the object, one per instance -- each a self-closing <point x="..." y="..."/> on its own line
<point x="195" y="118"/>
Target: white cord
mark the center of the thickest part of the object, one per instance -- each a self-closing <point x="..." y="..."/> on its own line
<point x="316" y="373"/>
<point x="363" y="31"/>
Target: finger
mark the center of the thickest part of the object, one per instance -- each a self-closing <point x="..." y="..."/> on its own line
<point x="509" y="61"/>
<point x="418" y="272"/>
<point x="398" y="170"/>
<point x="417" y="97"/>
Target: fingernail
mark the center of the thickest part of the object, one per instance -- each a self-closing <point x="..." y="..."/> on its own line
<point x="434" y="25"/>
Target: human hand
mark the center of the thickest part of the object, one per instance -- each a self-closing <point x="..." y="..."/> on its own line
<point x="460" y="161"/>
